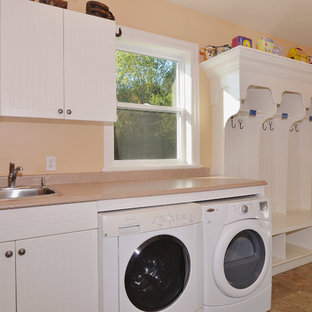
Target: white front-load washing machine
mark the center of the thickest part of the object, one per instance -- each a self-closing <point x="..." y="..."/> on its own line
<point x="237" y="255"/>
<point x="151" y="259"/>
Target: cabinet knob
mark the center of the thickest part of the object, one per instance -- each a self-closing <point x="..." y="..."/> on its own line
<point x="69" y="111"/>
<point x="60" y="111"/>
<point x="22" y="252"/>
<point x="9" y="254"/>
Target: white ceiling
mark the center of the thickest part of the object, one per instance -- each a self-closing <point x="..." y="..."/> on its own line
<point x="288" y="19"/>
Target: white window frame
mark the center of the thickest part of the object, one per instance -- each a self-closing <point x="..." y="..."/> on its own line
<point x="186" y="53"/>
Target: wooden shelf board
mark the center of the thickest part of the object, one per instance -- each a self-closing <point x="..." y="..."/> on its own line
<point x="277" y="261"/>
<point x="294" y="252"/>
<point x="294" y="220"/>
<point x="282" y="267"/>
<point x="246" y="113"/>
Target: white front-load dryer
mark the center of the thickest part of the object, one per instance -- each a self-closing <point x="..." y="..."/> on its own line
<point x="151" y="259"/>
<point x="237" y="255"/>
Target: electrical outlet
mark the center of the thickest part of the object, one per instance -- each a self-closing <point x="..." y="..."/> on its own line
<point x="51" y="163"/>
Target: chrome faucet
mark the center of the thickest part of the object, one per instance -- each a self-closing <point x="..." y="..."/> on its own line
<point x="13" y="174"/>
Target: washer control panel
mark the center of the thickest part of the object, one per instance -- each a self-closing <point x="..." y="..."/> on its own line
<point x="148" y="219"/>
<point x="230" y="210"/>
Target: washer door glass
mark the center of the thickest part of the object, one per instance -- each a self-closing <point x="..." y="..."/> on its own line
<point x="244" y="259"/>
<point x="157" y="273"/>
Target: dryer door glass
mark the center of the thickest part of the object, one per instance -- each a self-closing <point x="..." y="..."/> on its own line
<point x="244" y="259"/>
<point x="157" y="273"/>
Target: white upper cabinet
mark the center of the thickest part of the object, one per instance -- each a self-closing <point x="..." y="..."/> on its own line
<point x="31" y="59"/>
<point x="56" y="63"/>
<point x="89" y="52"/>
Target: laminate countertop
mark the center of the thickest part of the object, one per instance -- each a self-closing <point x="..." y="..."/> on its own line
<point x="98" y="191"/>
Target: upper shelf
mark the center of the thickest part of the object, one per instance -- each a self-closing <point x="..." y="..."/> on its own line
<point x="242" y="67"/>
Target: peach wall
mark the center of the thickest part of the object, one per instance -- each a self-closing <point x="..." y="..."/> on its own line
<point x="78" y="147"/>
<point x="27" y="142"/>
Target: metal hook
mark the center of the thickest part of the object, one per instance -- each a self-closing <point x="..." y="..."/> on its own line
<point x="270" y="124"/>
<point x="240" y="121"/>
<point x="296" y="127"/>
<point x="232" y="122"/>
<point x="119" y="33"/>
<point x="263" y="127"/>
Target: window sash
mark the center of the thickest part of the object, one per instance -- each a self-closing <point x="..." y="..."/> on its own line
<point x="149" y="108"/>
<point x="181" y="132"/>
<point x="178" y="109"/>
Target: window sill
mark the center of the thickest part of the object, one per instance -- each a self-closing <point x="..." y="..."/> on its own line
<point x="149" y="167"/>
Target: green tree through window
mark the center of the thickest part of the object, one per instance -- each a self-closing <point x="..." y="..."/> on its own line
<point x="141" y="133"/>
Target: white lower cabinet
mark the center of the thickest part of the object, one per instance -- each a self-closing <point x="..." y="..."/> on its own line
<point x="52" y="273"/>
<point x="7" y="274"/>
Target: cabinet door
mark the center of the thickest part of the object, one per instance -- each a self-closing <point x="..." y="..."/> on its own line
<point x="58" y="273"/>
<point x="31" y="59"/>
<point x="7" y="277"/>
<point x="90" y="70"/>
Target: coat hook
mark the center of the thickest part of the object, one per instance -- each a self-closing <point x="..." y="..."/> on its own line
<point x="296" y="127"/>
<point x="264" y="127"/>
<point x="240" y="121"/>
<point x="119" y="33"/>
<point x="271" y="124"/>
<point x="232" y="122"/>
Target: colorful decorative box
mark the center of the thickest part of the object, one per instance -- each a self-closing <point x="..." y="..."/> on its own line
<point x="239" y="40"/>
<point x="211" y="51"/>
<point x="221" y="49"/>
<point x="267" y="45"/>
<point x="298" y="54"/>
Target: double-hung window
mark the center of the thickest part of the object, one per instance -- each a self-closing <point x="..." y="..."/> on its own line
<point x="157" y="103"/>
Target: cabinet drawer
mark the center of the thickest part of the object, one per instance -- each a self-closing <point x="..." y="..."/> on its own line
<point x="47" y="220"/>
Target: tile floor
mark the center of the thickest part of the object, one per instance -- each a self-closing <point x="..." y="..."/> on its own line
<point x="292" y="290"/>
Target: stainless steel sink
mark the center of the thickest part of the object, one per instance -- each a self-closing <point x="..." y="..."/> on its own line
<point x="21" y="192"/>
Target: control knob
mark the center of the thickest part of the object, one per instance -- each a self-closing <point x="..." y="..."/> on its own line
<point x="244" y="209"/>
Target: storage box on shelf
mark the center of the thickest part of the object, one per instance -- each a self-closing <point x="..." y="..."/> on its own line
<point x="261" y="128"/>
